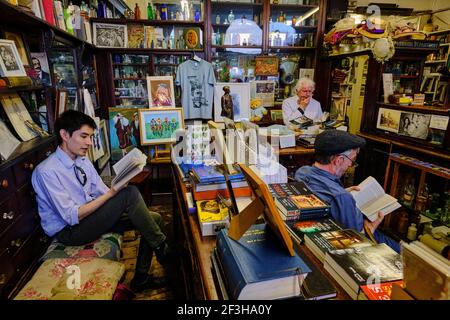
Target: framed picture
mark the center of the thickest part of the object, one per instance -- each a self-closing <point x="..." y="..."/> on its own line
<point x="10" y="63"/>
<point x="264" y="90"/>
<point x="61" y="102"/>
<point x="97" y="145"/>
<point x="108" y="35"/>
<point x="39" y="62"/>
<point x="104" y="140"/>
<point x="161" y="92"/>
<point x="414" y="125"/>
<point x="266" y="66"/>
<point x="388" y="120"/>
<point x="276" y="115"/>
<point x="158" y="126"/>
<point x="124" y="132"/>
<point x="231" y="100"/>
<point x="18" y="115"/>
<point x="20" y="45"/>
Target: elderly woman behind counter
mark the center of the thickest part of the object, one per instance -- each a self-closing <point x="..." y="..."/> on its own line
<point x="302" y="103"/>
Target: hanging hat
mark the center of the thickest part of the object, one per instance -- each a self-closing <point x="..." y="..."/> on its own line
<point x="383" y="49"/>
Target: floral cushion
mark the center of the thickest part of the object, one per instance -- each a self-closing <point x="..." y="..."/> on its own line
<point x="107" y="247"/>
<point x="57" y="279"/>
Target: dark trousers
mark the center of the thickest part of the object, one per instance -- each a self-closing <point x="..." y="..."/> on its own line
<point x="127" y="201"/>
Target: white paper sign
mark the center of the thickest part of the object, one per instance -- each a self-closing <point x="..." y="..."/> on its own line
<point x="439" y="122"/>
<point x="388" y="86"/>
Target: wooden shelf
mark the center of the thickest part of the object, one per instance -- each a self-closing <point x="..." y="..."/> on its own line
<point x="350" y="54"/>
<point x="131" y="64"/>
<point x="150" y="50"/>
<point x="169" y="23"/>
<point x="235" y="5"/>
<point x="292" y="7"/>
<point x="133" y="98"/>
<point x="424" y="109"/>
<point x="438" y="33"/>
<point x="129" y="78"/>
<point x="23" y="88"/>
<point x="237" y="46"/>
<point x="290" y="48"/>
<point x="435" y="61"/>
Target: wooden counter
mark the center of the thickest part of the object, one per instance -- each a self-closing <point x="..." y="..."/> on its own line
<point x="200" y="280"/>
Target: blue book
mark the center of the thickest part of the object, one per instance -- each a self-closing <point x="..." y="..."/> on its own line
<point x="208" y="174"/>
<point x="257" y="267"/>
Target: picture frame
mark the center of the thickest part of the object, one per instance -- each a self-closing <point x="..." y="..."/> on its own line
<point x="161" y="92"/>
<point x="158" y="125"/>
<point x="40" y="64"/>
<point x="97" y="145"/>
<point x="124" y="132"/>
<point x="238" y="97"/>
<point x="21" y="45"/>
<point x="415" y="125"/>
<point x="18" y="115"/>
<point x="276" y="115"/>
<point x="104" y="139"/>
<point x="266" y="66"/>
<point x="10" y="63"/>
<point x="108" y="35"/>
<point x="61" y="101"/>
<point x="264" y="90"/>
<point x="388" y="120"/>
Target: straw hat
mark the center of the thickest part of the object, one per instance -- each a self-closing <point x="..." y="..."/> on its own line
<point x="383" y="49"/>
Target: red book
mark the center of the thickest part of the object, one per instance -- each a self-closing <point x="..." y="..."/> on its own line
<point x="47" y="5"/>
<point x="381" y="291"/>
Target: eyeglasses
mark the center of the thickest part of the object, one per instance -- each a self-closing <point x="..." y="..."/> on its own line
<point x="354" y="163"/>
<point x="80" y="174"/>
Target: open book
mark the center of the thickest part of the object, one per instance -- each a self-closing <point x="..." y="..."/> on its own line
<point x="128" y="167"/>
<point x="371" y="199"/>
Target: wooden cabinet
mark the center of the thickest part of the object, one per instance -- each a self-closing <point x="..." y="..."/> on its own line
<point x="22" y="239"/>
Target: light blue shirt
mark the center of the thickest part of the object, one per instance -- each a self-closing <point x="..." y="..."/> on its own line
<point x="290" y="110"/>
<point x="59" y="194"/>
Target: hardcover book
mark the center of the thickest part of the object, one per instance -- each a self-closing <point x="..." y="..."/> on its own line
<point x="300" y="228"/>
<point x="135" y="36"/>
<point x="296" y="201"/>
<point x="360" y="266"/>
<point x="322" y="242"/>
<point x="258" y="267"/>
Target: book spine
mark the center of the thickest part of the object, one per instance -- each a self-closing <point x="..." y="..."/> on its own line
<point x="232" y="271"/>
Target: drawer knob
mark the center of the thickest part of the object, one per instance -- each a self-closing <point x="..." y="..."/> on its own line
<point x="4" y="184"/>
<point x="16" y="243"/>
<point x="2" y="278"/>
<point x="8" y="215"/>
<point x="29" y="166"/>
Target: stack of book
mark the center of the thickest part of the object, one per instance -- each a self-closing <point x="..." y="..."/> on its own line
<point x="207" y="182"/>
<point x="378" y="291"/>
<point x="296" y="201"/>
<point x="299" y="229"/>
<point x="257" y="267"/>
<point x="356" y="267"/>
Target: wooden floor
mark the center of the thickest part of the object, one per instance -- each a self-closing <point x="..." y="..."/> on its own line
<point x="163" y="205"/>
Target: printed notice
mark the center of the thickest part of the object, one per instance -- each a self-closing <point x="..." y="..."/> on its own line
<point x="439" y="122"/>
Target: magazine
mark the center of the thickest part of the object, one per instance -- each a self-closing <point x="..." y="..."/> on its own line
<point x="128" y="167"/>
<point x="371" y="199"/>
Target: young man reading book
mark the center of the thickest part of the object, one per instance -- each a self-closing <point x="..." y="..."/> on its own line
<point x="335" y="152"/>
<point x="76" y="207"/>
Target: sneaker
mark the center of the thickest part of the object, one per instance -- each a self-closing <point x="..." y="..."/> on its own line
<point x="148" y="283"/>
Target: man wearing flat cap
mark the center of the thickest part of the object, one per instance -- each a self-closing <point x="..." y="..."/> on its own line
<point x="336" y="151"/>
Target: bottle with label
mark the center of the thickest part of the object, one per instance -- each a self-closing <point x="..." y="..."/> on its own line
<point x="163" y="13"/>
<point x="294" y="20"/>
<point x="231" y="17"/>
<point x="218" y="19"/>
<point x="197" y="15"/>
<point x="412" y="232"/>
<point x="281" y="17"/>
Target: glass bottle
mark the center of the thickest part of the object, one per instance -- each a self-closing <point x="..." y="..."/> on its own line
<point x="218" y="19"/>
<point x="412" y="232"/>
<point x="294" y="20"/>
<point x="137" y="12"/>
<point x="281" y="17"/>
<point x="231" y="16"/>
<point x="403" y="221"/>
<point x="197" y="15"/>
<point x="163" y="13"/>
<point x="149" y="11"/>
<point x="409" y="193"/>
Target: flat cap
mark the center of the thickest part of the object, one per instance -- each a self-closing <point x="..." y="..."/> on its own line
<point x="331" y="142"/>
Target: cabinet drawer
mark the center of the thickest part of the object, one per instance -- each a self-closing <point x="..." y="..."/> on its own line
<point x="26" y="198"/>
<point x="8" y="213"/>
<point x="6" y="182"/>
<point x="45" y="152"/>
<point x="6" y="271"/>
<point x="24" y="169"/>
<point x="14" y="237"/>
